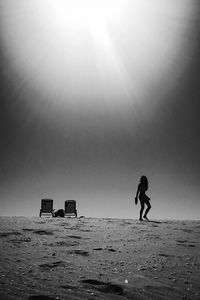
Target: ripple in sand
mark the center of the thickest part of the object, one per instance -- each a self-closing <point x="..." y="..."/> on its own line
<point x="6" y="234"/>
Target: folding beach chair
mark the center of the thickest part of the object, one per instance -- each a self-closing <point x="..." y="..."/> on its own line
<point x="70" y="208"/>
<point x="46" y="207"/>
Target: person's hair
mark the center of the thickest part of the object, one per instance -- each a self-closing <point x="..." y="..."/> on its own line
<point x="144" y="182"/>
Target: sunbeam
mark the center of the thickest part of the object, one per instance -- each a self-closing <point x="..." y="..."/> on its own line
<point x="74" y="53"/>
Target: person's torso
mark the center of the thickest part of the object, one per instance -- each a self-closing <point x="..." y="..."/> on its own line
<point x="142" y="190"/>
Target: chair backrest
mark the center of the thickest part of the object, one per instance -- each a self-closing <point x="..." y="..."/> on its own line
<point x="46" y="205"/>
<point x="70" y="206"/>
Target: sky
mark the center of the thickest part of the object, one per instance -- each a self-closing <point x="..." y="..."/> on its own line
<point x="95" y="94"/>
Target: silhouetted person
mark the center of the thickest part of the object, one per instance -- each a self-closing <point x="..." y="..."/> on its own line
<point x="144" y="199"/>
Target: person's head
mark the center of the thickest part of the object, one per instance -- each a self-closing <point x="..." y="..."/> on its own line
<point x="144" y="182"/>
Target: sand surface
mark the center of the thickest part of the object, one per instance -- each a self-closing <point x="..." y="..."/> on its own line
<point x="88" y="258"/>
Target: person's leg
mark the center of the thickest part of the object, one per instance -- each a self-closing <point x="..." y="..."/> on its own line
<point x="141" y="210"/>
<point x="147" y="210"/>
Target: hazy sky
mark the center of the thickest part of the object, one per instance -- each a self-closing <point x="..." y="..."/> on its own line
<point x="95" y="94"/>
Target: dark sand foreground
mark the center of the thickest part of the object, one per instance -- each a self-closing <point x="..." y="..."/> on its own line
<point x="86" y="258"/>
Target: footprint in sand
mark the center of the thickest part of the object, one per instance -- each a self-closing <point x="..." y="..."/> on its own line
<point x="165" y="255"/>
<point x="68" y="287"/>
<point x="186" y="230"/>
<point x="79" y="252"/>
<point x="6" y="234"/>
<point x="108" y="249"/>
<point x="66" y="243"/>
<point x="43" y="232"/>
<point x="75" y="237"/>
<point x="40" y="222"/>
<point x="19" y="241"/>
<point x="181" y="241"/>
<point x="111" y="250"/>
<point x="49" y="266"/>
<point x="105" y="287"/>
<point x="85" y="230"/>
<point x="42" y="297"/>
<point x="97" y="249"/>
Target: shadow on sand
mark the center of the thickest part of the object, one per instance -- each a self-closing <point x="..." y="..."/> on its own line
<point x="155" y="222"/>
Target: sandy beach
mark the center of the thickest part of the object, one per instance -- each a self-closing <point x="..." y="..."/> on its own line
<point x="88" y="258"/>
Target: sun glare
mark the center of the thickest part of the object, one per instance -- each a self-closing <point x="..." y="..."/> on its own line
<point x="79" y="13"/>
<point x="79" y="51"/>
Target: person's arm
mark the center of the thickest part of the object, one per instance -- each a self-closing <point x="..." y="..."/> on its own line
<point x="138" y="189"/>
<point x="137" y="193"/>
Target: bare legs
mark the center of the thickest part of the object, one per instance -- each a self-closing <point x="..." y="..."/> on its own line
<point x="142" y="209"/>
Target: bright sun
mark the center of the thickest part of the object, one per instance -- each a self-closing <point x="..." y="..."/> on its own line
<point x="79" y="13"/>
<point x="80" y="51"/>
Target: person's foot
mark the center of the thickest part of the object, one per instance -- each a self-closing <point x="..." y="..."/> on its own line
<point x="146" y="218"/>
<point x="140" y="219"/>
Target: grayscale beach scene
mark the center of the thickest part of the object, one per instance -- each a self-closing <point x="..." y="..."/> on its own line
<point x="99" y="149"/>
